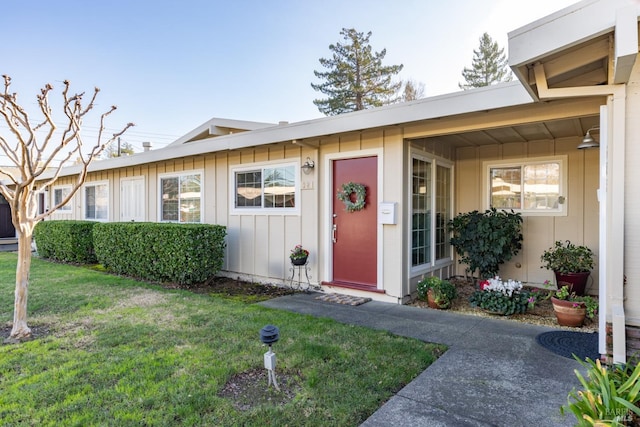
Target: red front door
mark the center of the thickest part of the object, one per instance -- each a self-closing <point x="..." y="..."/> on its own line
<point x="355" y="234"/>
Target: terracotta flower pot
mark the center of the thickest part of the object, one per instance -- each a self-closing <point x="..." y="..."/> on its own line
<point x="569" y="313"/>
<point x="431" y="300"/>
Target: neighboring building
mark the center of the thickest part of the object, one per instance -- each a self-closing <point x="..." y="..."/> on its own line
<point x="422" y="162"/>
<point x="7" y="230"/>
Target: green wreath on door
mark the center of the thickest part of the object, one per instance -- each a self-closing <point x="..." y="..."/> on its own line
<point x="345" y="196"/>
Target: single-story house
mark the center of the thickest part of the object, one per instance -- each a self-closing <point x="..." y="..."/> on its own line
<point x="512" y="145"/>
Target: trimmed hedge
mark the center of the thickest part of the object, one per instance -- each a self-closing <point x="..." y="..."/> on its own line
<point x="65" y="240"/>
<point x="163" y="252"/>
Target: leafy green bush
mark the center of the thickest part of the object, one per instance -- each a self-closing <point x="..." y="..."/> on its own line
<point x="483" y="241"/>
<point x="164" y="252"/>
<point x="67" y="241"/>
<point x="610" y="397"/>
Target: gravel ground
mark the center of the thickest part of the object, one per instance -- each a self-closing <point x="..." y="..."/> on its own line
<point x="541" y="314"/>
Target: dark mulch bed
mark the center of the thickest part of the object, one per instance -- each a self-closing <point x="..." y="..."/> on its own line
<point x="250" y="389"/>
<point x="235" y="289"/>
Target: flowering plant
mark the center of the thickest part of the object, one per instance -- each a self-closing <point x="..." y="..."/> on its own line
<point x="299" y="252"/>
<point x="586" y="301"/>
<point x="444" y="292"/>
<point x="501" y="297"/>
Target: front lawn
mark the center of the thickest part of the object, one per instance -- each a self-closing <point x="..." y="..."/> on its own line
<point x="114" y="351"/>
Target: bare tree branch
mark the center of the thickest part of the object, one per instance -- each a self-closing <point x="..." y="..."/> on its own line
<point x="33" y="158"/>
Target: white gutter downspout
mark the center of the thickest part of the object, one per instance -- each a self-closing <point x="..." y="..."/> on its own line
<point x="612" y="273"/>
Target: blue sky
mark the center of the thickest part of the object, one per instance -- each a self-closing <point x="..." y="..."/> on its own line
<point x="171" y="65"/>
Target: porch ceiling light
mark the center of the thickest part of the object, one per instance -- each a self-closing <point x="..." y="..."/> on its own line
<point x="588" y="141"/>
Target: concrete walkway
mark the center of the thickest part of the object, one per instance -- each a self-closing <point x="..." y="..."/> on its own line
<point x="494" y="373"/>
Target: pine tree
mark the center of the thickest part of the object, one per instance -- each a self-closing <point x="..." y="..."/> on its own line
<point x="125" y="149"/>
<point x="489" y="65"/>
<point x="412" y="90"/>
<point x="356" y="79"/>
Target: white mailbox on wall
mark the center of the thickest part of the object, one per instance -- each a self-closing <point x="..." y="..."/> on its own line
<point x="387" y="213"/>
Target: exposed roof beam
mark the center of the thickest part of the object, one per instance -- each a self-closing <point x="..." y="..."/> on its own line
<point x="578" y="58"/>
<point x="568" y="92"/>
<point x="490" y="137"/>
<point x="546" y="130"/>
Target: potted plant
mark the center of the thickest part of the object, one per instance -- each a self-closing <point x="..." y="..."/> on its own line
<point x="571" y="309"/>
<point x="483" y="241"/>
<point x="299" y="255"/>
<point x="437" y="292"/>
<point x="498" y="297"/>
<point x="571" y="264"/>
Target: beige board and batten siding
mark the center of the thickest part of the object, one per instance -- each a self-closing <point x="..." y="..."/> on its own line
<point x="580" y="225"/>
<point x="258" y="244"/>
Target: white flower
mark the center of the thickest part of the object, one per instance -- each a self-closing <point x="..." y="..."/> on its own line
<point x="506" y="288"/>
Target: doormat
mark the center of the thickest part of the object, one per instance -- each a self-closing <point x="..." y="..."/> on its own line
<point x="343" y="299"/>
<point x="568" y="343"/>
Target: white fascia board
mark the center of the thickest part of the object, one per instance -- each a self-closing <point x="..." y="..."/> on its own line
<point x="626" y="43"/>
<point x="497" y="96"/>
<point x="488" y="98"/>
<point x="211" y="124"/>
<point x="568" y="27"/>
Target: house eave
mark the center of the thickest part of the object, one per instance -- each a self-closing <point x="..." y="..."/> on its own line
<point x="574" y="26"/>
<point x="458" y="103"/>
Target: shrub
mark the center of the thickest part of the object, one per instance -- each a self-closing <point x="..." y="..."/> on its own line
<point x="483" y="241"/>
<point x="164" y="252"/>
<point x="64" y="240"/>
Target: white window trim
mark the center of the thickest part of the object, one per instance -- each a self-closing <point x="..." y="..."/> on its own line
<point x="84" y="200"/>
<point x="486" y="184"/>
<point x="433" y="264"/>
<point x="66" y="209"/>
<point x="178" y="175"/>
<point x="262" y="210"/>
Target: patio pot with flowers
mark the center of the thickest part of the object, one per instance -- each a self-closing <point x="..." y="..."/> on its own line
<point x="572" y="309"/>
<point x="571" y="264"/>
<point x="498" y="297"/>
<point x="438" y="293"/>
<point x="299" y="255"/>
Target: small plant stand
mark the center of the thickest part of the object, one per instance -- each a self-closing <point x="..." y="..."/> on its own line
<point x="300" y="268"/>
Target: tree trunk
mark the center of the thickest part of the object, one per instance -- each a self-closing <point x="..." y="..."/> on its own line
<point x="20" y="329"/>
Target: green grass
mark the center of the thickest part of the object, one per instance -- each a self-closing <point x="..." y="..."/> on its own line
<point x="124" y="353"/>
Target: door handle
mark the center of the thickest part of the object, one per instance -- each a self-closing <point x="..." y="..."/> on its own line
<point x="334" y="232"/>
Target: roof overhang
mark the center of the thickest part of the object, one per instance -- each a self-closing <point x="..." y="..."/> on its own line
<point x="464" y="102"/>
<point x="218" y="127"/>
<point x="591" y="43"/>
